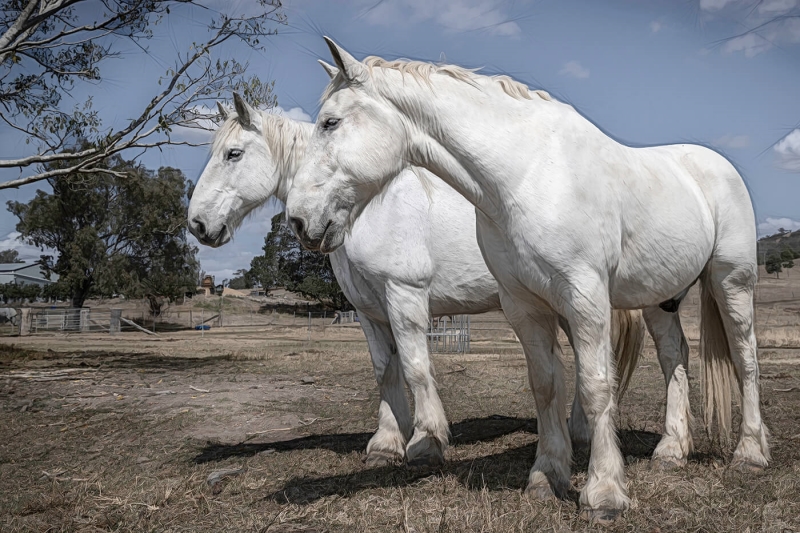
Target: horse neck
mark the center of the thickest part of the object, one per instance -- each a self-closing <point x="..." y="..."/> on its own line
<point x="477" y="139"/>
<point x="287" y="140"/>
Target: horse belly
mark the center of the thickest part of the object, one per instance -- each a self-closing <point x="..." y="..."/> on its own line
<point x="658" y="274"/>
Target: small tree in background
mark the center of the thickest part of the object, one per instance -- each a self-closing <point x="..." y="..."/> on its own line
<point x="787" y="257"/>
<point x="773" y="265"/>
<point x="16" y="293"/>
<point x="286" y="263"/>
<point x="120" y="232"/>
<point x="267" y="269"/>
<point x="242" y="280"/>
<point x="10" y="256"/>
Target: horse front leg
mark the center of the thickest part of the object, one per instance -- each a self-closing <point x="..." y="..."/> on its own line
<point x="387" y="445"/>
<point x="588" y="310"/>
<point x="673" y="355"/>
<point x="408" y="313"/>
<point x="536" y="329"/>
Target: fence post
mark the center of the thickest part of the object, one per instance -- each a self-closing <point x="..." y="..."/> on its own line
<point x="219" y="318"/>
<point x="84" y="320"/>
<point x="116" y="324"/>
<point x="25" y="321"/>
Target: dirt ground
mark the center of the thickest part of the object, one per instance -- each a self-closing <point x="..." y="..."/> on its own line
<point x="121" y="433"/>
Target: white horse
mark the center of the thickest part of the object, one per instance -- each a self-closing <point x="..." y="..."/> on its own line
<point x="572" y="224"/>
<point x="9" y="314"/>
<point x="412" y="254"/>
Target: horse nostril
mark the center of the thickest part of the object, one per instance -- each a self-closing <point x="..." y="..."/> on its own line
<point x="297" y="225"/>
<point x="199" y="226"/>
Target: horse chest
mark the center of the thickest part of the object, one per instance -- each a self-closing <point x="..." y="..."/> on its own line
<point x="515" y="265"/>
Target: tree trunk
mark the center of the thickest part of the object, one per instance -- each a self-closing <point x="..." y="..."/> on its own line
<point x="80" y="294"/>
<point x="78" y="300"/>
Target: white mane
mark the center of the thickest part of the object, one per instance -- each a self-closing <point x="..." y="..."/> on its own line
<point x="286" y="139"/>
<point x="423" y="71"/>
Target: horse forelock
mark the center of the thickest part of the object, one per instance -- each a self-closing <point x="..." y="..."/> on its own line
<point x="226" y="134"/>
<point x="423" y="71"/>
<point x="284" y="137"/>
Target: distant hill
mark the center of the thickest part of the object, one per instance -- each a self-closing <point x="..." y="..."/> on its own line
<point x="775" y="244"/>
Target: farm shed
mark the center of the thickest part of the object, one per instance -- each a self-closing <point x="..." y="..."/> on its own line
<point x="25" y="274"/>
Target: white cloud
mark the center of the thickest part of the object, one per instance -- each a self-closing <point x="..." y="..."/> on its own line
<point x="26" y="252"/>
<point x="772" y="224"/>
<point x="715" y="5"/>
<point x="788" y="151"/>
<point x="453" y="15"/>
<point x="732" y="141"/>
<point x="295" y="113"/>
<point x="776" y="6"/>
<point x="773" y="23"/>
<point x="655" y="26"/>
<point x="575" y="69"/>
<point x="750" y="43"/>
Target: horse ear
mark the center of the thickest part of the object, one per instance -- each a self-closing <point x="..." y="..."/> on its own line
<point x="352" y="69"/>
<point x="330" y="69"/>
<point x="242" y="109"/>
<point x="222" y="111"/>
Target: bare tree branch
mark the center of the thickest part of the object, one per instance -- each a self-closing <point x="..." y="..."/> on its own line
<point x="48" y="47"/>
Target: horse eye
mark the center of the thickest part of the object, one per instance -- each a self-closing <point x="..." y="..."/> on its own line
<point x="234" y="154"/>
<point x="330" y="123"/>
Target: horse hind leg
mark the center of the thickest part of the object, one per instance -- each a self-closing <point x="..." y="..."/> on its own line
<point x="387" y="445"/>
<point x="408" y="314"/>
<point x="673" y="355"/>
<point x="627" y="338"/>
<point x="727" y="301"/>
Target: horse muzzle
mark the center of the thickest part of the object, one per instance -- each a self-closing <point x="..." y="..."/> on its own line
<point x="199" y="229"/>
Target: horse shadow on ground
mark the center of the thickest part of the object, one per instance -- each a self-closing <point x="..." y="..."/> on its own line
<point x="467" y="431"/>
<point x="507" y="469"/>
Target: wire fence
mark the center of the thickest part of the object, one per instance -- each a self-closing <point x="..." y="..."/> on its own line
<point x="449" y="334"/>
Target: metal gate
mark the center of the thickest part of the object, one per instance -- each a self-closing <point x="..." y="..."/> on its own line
<point x="449" y="334"/>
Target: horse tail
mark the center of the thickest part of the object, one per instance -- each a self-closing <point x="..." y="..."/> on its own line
<point x="718" y="369"/>
<point x="627" y="340"/>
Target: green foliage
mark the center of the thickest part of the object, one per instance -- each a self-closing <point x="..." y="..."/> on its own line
<point x="285" y="263"/>
<point x="14" y="292"/>
<point x="787" y="256"/>
<point x="121" y="232"/>
<point x="773" y="265"/>
<point x="776" y="244"/>
<point x="242" y="280"/>
<point x="10" y="256"/>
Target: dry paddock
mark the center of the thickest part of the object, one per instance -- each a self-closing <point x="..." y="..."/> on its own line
<point x="101" y="433"/>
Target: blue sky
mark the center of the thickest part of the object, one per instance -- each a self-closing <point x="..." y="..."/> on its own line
<point x="646" y="72"/>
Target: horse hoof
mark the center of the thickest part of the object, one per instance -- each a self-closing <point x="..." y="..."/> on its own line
<point x="540" y="491"/>
<point x="603" y="516"/>
<point x="426" y="462"/>
<point x="666" y="464"/>
<point x="377" y="458"/>
<point x="746" y="467"/>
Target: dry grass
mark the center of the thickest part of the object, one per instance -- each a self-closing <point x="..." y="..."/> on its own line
<point x="102" y="434"/>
